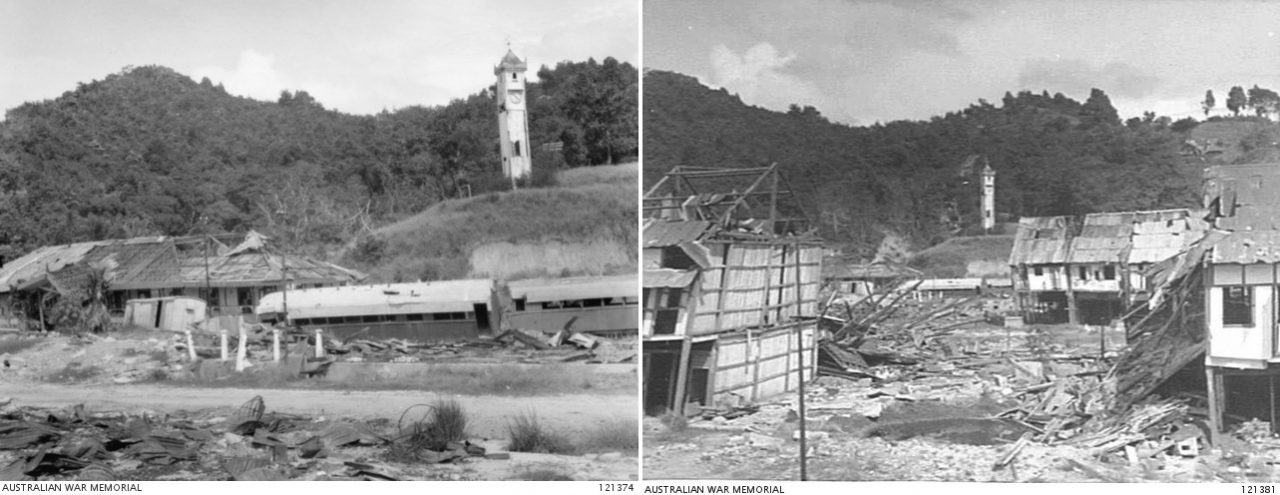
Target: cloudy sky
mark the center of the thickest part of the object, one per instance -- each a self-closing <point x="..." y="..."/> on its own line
<point x="354" y="56"/>
<point x="863" y="61"/>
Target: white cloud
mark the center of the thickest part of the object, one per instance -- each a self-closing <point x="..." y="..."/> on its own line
<point x="758" y="77"/>
<point x="254" y="76"/>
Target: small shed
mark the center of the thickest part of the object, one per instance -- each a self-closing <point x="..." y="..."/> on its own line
<point x="165" y="313"/>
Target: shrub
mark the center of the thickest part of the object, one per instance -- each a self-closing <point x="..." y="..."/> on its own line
<point x="446" y="422"/>
<point x="529" y="435"/>
<point x="675" y="423"/>
<point x="614" y="436"/>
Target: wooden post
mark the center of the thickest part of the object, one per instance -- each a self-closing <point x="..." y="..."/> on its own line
<point x="275" y="345"/>
<point x="1271" y="393"/>
<point x="319" y="343"/>
<point x="682" y="375"/>
<point x="773" y="200"/>
<point x="804" y="461"/>
<point x="222" y="333"/>
<point x="1213" y="377"/>
<point x="1073" y="316"/>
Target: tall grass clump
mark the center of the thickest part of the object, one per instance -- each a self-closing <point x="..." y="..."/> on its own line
<point x="445" y="422"/>
<point x="619" y="435"/>
<point x="528" y="434"/>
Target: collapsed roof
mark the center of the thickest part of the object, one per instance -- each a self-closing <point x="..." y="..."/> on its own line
<point x="152" y="262"/>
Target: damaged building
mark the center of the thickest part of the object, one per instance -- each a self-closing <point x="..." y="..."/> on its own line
<point x="1216" y="307"/>
<point x="730" y="289"/>
<point x="230" y="272"/>
<point x="1242" y="292"/>
<point x="1087" y="270"/>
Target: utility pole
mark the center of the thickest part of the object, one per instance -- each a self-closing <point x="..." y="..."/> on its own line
<point x="208" y="285"/>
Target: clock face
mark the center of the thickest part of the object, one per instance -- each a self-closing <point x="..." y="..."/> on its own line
<point x="515" y="98"/>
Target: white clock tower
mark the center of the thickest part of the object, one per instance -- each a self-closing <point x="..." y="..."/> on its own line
<point x="513" y="119"/>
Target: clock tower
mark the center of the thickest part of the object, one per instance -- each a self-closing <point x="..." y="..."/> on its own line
<point x="513" y="119"/>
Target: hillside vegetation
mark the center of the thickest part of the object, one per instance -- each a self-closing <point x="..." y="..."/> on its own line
<point x="584" y="226"/>
<point x="149" y="151"/>
<point x="917" y="179"/>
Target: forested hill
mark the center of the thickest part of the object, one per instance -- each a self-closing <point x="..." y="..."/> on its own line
<point x="1052" y="155"/>
<point x="149" y="151"/>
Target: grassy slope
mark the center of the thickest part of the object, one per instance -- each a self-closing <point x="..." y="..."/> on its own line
<point x="968" y="256"/>
<point x="585" y="225"/>
<point x="1234" y="133"/>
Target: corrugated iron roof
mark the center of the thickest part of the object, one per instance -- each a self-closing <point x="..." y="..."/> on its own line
<point x="1104" y="238"/>
<point x="659" y="233"/>
<point x="573" y="288"/>
<point x="32" y="267"/>
<point x="1244" y="197"/>
<point x="1130" y="237"/>
<point x="1260" y="246"/>
<point x="1041" y="240"/>
<point x="146" y="262"/>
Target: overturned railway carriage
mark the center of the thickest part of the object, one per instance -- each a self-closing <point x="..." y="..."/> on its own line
<point x="424" y="311"/>
<point x="607" y="306"/>
<point x="462" y="309"/>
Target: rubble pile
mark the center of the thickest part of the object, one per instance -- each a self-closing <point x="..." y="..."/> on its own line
<point x="249" y="444"/>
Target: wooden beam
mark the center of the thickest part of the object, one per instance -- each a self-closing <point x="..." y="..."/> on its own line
<point x="720" y="173"/>
<point x="1214" y="381"/>
<point x="682" y="375"/>
<point x="725" y="216"/>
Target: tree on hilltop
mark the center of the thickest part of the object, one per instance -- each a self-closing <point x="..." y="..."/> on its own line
<point x="1236" y="100"/>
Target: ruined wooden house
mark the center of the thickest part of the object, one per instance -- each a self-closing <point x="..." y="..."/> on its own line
<point x="231" y="272"/>
<point x="730" y="289"/>
<point x="1242" y="292"/>
<point x="1089" y="269"/>
<point x="1220" y="299"/>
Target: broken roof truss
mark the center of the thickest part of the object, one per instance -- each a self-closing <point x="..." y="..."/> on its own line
<point x="759" y="196"/>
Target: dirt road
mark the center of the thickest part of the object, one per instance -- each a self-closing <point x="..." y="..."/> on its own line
<point x="568" y="413"/>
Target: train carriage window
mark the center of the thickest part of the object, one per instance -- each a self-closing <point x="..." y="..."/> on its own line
<point x="395" y="317"/>
<point x="520" y="304"/>
<point x="351" y="319"/>
<point x="592" y="303"/>
<point x="415" y="317"/>
<point x="369" y="319"/>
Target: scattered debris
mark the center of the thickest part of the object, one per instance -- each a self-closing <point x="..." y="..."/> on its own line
<point x="251" y="444"/>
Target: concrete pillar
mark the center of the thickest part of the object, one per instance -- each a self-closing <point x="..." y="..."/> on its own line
<point x="191" y="346"/>
<point x="242" y="352"/>
<point x="275" y="344"/>
<point x="319" y="343"/>
<point x="222" y="334"/>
